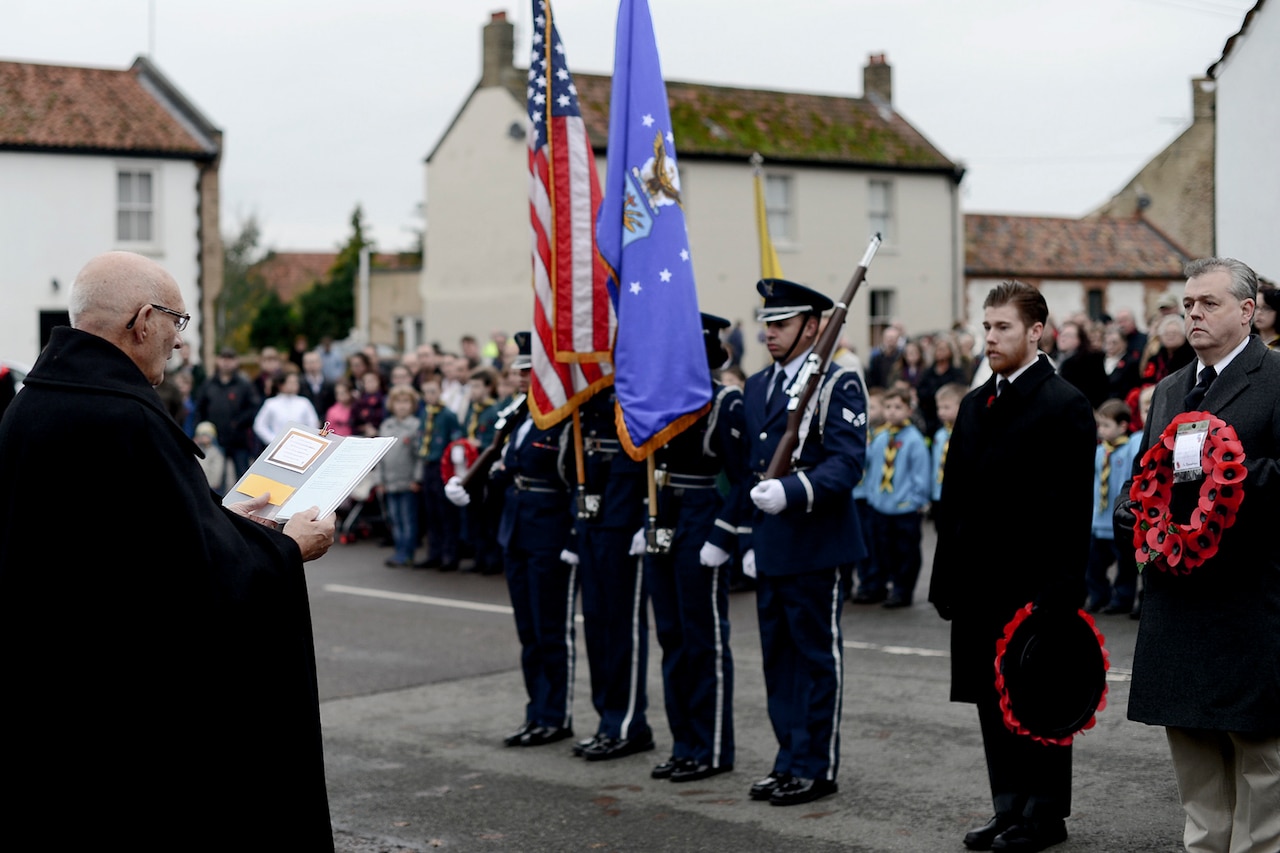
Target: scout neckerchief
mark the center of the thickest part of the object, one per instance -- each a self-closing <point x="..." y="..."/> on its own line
<point x="473" y="417"/>
<point x="428" y="427"/>
<point x="890" y="453"/>
<point x="1108" y="447"/>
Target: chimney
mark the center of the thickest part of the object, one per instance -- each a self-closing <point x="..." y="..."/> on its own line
<point x="499" y="50"/>
<point x="1203" y="98"/>
<point x="877" y="78"/>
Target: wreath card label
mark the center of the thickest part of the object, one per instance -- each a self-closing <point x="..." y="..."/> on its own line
<point x="1188" y="449"/>
<point x="1177" y="545"/>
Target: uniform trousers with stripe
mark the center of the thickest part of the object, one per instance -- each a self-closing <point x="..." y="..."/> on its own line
<point x="691" y="618"/>
<point x="543" y="595"/>
<point x="802" y="645"/>
<point x="615" y="618"/>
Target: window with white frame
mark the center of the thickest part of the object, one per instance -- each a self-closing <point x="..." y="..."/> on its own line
<point x="880" y="208"/>
<point x="778" y="208"/>
<point x="135" y="206"/>
<point x="881" y="309"/>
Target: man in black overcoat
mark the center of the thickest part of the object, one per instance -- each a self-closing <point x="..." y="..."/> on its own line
<point x="1017" y="491"/>
<point x="1206" y="665"/>
<point x="156" y="648"/>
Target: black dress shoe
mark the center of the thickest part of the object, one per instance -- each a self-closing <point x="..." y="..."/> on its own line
<point x="764" y="789"/>
<point x="427" y="564"/>
<point x="693" y="772"/>
<point x="1031" y="836"/>
<point x="671" y="765"/>
<point x="869" y="597"/>
<point x="541" y="735"/>
<point x="513" y="739"/>
<point x="800" y="790"/>
<point x="449" y="566"/>
<point x="582" y="745"/>
<point x="895" y="602"/>
<point x="608" y="748"/>
<point x="981" y="838"/>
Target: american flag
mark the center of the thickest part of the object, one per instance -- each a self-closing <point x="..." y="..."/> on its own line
<point x="573" y="317"/>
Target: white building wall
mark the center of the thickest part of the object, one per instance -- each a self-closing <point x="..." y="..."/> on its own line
<point x="59" y="210"/>
<point x="1247" y="170"/>
<point x="477" y="266"/>
<point x="476" y="269"/>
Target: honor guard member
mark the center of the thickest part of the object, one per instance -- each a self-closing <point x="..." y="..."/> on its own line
<point x="533" y="532"/>
<point x="687" y="572"/>
<point x="614" y="600"/>
<point x="805" y="538"/>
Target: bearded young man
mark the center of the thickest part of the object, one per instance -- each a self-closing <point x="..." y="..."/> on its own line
<point x="998" y="551"/>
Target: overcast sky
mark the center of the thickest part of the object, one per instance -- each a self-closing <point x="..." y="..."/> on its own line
<point x="1052" y="105"/>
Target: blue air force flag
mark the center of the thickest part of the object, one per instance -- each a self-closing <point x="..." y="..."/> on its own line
<point x="661" y="377"/>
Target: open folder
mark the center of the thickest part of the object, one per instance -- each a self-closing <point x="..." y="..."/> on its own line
<point x="304" y="467"/>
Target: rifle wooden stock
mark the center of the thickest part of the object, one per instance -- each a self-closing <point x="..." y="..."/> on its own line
<point x="479" y="469"/>
<point x="815" y="369"/>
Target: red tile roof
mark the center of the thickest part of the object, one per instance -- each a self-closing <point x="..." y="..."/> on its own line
<point x="59" y="107"/>
<point x="1049" y="247"/>
<point x="292" y="273"/>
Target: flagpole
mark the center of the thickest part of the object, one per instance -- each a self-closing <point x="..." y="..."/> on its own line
<point x="651" y="538"/>
<point x="583" y="511"/>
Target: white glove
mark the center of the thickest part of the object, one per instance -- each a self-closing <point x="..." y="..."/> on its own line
<point x="638" y="543"/>
<point x="749" y="563"/>
<point x="458" y="456"/>
<point x="769" y="496"/>
<point x="456" y="494"/>
<point x="567" y="556"/>
<point x="713" y="555"/>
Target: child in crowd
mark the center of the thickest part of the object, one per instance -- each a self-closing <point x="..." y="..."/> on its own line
<point x="947" y="399"/>
<point x="439" y="427"/>
<point x="216" y="464"/>
<point x="870" y="582"/>
<point x="898" y="470"/>
<point x="368" y="411"/>
<point x="1126" y="560"/>
<point x="479" y="523"/>
<point x="339" y="414"/>
<point x="1113" y="464"/>
<point x="400" y="474"/>
<point x="284" y="407"/>
<point x="482" y="411"/>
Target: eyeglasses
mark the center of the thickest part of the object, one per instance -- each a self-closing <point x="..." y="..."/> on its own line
<point x="180" y="322"/>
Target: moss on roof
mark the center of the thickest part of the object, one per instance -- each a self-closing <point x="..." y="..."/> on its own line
<point x="723" y="121"/>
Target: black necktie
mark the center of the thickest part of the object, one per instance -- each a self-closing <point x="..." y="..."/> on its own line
<point x="1192" y="401"/>
<point x="778" y="394"/>
<point x="1002" y="387"/>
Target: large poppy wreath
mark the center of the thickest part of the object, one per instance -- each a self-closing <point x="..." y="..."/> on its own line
<point x="1180" y="546"/>
<point x="1010" y="716"/>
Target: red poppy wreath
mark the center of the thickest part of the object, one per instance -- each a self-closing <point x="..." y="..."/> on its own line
<point x="1177" y="546"/>
<point x="1078" y="680"/>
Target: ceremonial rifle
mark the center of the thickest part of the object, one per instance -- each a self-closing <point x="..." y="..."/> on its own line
<point x="814" y="368"/>
<point x="503" y="425"/>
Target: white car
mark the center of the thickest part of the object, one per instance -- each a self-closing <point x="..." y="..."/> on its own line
<point x="19" y="371"/>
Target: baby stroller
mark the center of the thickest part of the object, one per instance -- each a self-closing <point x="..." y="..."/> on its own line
<point x="361" y="515"/>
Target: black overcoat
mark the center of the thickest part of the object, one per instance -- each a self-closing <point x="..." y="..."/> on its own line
<point x="1017" y="489"/>
<point x="155" y="649"/>
<point x="1208" y="648"/>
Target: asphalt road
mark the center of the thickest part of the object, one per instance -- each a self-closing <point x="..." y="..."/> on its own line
<point x="419" y="681"/>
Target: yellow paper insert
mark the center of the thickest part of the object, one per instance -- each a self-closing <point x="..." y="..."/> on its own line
<point x="256" y="484"/>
